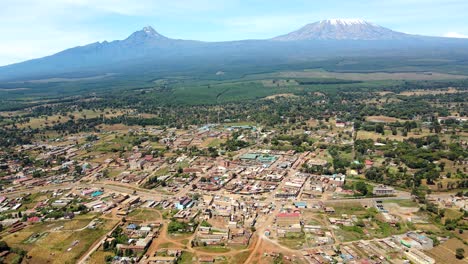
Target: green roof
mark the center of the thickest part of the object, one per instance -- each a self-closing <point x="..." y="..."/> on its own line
<point x="249" y="156"/>
<point x="267" y="158"/>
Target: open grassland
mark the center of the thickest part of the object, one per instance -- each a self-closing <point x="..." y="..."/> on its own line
<point x="144" y="214"/>
<point x="279" y="83"/>
<point x="187" y="258"/>
<point x="39" y="122"/>
<point x="373" y="76"/>
<point x="449" y="90"/>
<point x="57" y="245"/>
<point x="99" y="256"/>
<point x="212" y="142"/>
<point x="293" y="241"/>
<point x="214" y="249"/>
<point x="375" y="136"/>
<point x="52" y="80"/>
<point x="402" y="203"/>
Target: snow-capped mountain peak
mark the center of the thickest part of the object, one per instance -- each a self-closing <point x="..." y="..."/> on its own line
<point x="346" y="22"/>
<point x="342" y="29"/>
<point x="146" y="34"/>
<point x="149" y="30"/>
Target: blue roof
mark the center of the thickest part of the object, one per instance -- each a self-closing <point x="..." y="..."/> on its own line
<point x="131" y="226"/>
<point x="97" y="193"/>
<point x="300" y="203"/>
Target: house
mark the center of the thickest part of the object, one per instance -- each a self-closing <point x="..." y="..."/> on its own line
<point x="34" y="219"/>
<point x="340" y="124"/>
<point x="369" y="164"/>
<point x="131" y="227"/>
<point x="144" y="230"/>
<point x="162" y="260"/>
<point x="300" y="205"/>
<point x="288" y="219"/>
<point x="383" y="190"/>
<point x="416" y="256"/>
<point x="425" y="242"/>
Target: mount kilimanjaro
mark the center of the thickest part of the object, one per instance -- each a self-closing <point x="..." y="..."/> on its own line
<point x="343" y="29"/>
<point x="147" y="51"/>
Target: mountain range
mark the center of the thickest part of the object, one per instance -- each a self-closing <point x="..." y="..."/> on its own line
<point x="148" y="51"/>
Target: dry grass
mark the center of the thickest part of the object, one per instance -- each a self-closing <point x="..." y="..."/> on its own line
<point x="445" y="252"/>
<point x="374" y="136"/>
<point x="279" y="83"/>
<point x="368" y="76"/>
<point x="383" y="119"/>
<point x="99" y="256"/>
<point x="51" y="80"/>
<point x="212" y="142"/>
<point x="283" y="95"/>
<point x="53" y="248"/>
<point x="51" y="120"/>
<point x="432" y="92"/>
<point x="384" y="93"/>
<point x="144" y="214"/>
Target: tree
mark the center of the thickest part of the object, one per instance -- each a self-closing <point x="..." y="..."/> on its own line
<point x="4" y="246"/>
<point x="78" y="169"/>
<point x="379" y="128"/>
<point x="460" y="253"/>
<point x="442" y="166"/>
<point x="105" y="245"/>
<point x="361" y="187"/>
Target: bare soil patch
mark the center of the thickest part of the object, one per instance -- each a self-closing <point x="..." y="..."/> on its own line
<point x="284" y="95"/>
<point x="382" y="119"/>
<point x="450" y="90"/>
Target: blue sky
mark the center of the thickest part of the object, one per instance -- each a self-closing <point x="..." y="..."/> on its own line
<point x="36" y="28"/>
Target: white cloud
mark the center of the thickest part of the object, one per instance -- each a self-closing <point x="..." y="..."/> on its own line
<point x="268" y="26"/>
<point x="455" y="35"/>
<point x="32" y="28"/>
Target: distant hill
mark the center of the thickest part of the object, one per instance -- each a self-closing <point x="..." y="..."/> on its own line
<point x="150" y="53"/>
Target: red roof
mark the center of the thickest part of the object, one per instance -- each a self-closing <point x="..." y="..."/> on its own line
<point x="289" y="215"/>
<point x="34" y="219"/>
<point x="369" y="162"/>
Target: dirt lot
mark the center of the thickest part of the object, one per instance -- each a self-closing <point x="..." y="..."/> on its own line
<point x="405" y="212"/>
<point x="383" y="119"/>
